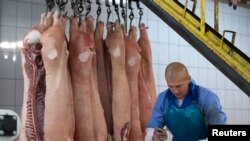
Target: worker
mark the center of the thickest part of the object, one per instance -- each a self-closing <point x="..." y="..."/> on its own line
<point x="185" y="108"/>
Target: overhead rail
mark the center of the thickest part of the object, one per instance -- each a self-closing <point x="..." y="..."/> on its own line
<point x="223" y="54"/>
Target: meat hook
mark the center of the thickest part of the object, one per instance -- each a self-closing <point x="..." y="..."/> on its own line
<point x="116" y="9"/>
<point x="99" y="10"/>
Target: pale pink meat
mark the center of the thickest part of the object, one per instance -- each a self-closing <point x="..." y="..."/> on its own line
<point x="59" y="121"/>
<point x="145" y="103"/>
<point x="133" y="60"/>
<point x="146" y="62"/>
<point x="80" y="61"/>
<point x="104" y="89"/>
<point x="32" y="114"/>
<point x="121" y="105"/>
<point x="99" y="124"/>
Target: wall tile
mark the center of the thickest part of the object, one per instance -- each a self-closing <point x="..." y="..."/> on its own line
<point x="227" y="25"/>
<point x="18" y="67"/>
<point x="20" y="33"/>
<point x="184" y="55"/>
<point x="245" y="102"/>
<point x="246" y="115"/>
<point x="194" y="73"/>
<point x="203" y="76"/>
<point x="230" y="103"/>
<point x="248" y="27"/>
<point x="202" y="61"/>
<point x="243" y="25"/>
<point x="161" y="75"/>
<point x="39" y="1"/>
<point x="173" y="53"/>
<point x="151" y="15"/>
<point x="19" y="92"/>
<point x="7" y="95"/>
<point x="37" y="10"/>
<point x="193" y="57"/>
<point x="23" y="14"/>
<point x="173" y="36"/>
<point x="163" y="53"/>
<point x="237" y="99"/>
<point x="8" y="34"/>
<point x="153" y="31"/>
<point x="212" y="78"/>
<point x="237" y="117"/>
<point x="154" y="51"/>
<point x="163" y="34"/>
<point x="183" y="42"/>
<point x="7" y="69"/>
<point x="8" y="13"/>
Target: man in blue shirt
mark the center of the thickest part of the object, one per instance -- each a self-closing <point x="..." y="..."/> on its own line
<point x="186" y="109"/>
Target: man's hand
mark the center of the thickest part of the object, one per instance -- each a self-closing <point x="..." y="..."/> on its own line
<point x="159" y="134"/>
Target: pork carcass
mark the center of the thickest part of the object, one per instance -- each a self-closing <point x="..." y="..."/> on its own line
<point x="32" y="114"/>
<point x="80" y="62"/>
<point x="99" y="124"/>
<point x="133" y="60"/>
<point x="59" y="121"/>
<point x="146" y="62"/>
<point x="100" y="127"/>
<point x="145" y="103"/>
<point x="120" y="88"/>
<point x="103" y="87"/>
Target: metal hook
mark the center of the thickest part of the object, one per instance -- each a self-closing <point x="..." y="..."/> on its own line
<point x="116" y="10"/>
<point x="108" y="9"/>
<point x="78" y="7"/>
<point x="140" y="13"/>
<point x="50" y="5"/>
<point x="131" y="15"/>
<point x="138" y="7"/>
<point x="123" y="13"/>
<point x="61" y="5"/>
<point x="88" y="8"/>
<point x="99" y="10"/>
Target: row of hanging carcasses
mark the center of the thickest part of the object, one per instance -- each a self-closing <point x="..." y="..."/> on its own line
<point x="87" y="88"/>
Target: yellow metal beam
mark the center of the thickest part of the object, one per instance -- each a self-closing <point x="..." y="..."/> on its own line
<point x="216" y="15"/>
<point x="212" y="41"/>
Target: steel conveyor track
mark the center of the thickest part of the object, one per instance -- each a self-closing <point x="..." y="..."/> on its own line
<point x="212" y="45"/>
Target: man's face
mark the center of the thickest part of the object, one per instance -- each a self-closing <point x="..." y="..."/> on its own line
<point x="179" y="88"/>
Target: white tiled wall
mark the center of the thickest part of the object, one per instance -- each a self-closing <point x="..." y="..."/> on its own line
<point x="18" y="16"/>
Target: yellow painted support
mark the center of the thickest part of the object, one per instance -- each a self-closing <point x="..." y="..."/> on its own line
<point x="212" y="41"/>
<point x="216" y="15"/>
<point x="203" y="14"/>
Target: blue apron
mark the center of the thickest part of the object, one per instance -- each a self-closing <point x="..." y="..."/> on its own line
<point x="186" y="123"/>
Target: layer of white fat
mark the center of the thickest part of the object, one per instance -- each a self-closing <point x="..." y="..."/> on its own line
<point x="132" y="61"/>
<point x="117" y="52"/>
<point x="32" y="37"/>
<point x="84" y="56"/>
<point x="52" y="54"/>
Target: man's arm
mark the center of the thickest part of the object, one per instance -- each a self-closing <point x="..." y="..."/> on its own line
<point x="156" y="120"/>
<point x="213" y="109"/>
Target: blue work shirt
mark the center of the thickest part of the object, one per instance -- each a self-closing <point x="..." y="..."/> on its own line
<point x="206" y="102"/>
